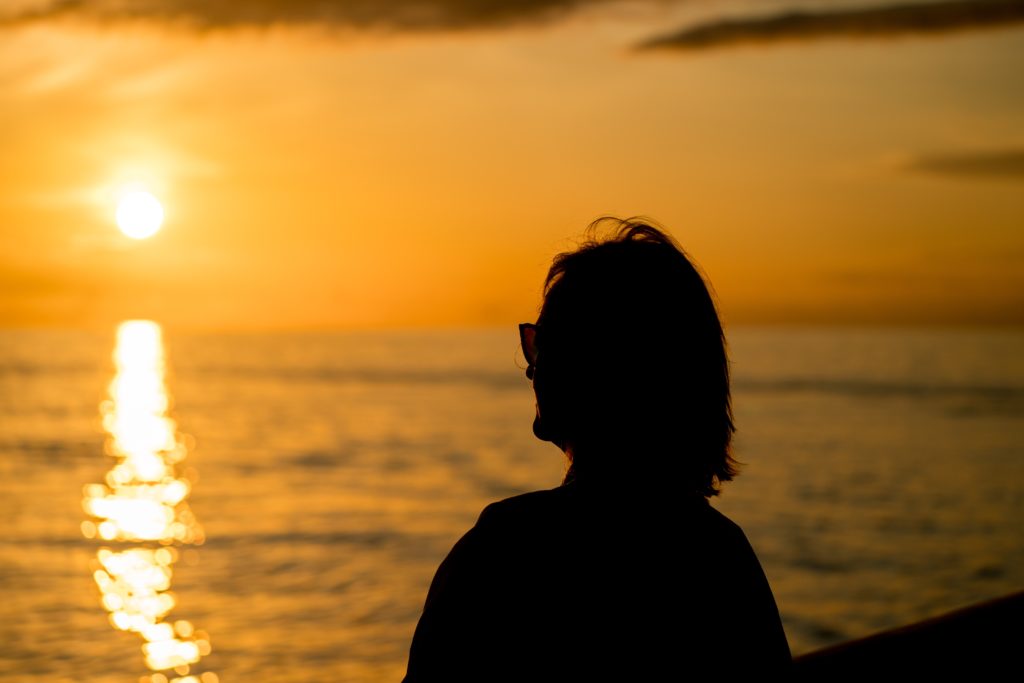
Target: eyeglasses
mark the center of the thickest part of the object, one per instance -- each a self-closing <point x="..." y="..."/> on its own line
<point x="528" y="340"/>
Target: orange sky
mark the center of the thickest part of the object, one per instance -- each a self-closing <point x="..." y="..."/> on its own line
<point x="317" y="173"/>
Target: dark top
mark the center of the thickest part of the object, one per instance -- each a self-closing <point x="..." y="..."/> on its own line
<point x="574" y="584"/>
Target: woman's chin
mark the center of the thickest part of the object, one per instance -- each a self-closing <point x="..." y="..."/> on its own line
<point x="542" y="432"/>
<point x="539" y="430"/>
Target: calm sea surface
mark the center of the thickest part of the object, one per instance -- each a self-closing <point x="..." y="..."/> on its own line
<point x="329" y="474"/>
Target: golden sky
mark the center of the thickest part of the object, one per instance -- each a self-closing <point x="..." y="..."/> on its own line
<point x="353" y="164"/>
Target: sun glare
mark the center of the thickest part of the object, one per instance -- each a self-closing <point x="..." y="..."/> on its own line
<point x="139" y="214"/>
<point x="142" y="508"/>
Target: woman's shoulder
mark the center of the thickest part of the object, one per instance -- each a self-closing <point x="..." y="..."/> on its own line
<point x="570" y="507"/>
<point x="723" y="525"/>
<point x="526" y="509"/>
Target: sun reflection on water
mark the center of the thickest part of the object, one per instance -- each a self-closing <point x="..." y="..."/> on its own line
<point x="142" y="507"/>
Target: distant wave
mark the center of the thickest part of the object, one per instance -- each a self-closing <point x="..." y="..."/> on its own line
<point x="51" y="450"/>
<point x="376" y="375"/>
<point x="23" y="368"/>
<point x="879" y="388"/>
<point x="368" y="538"/>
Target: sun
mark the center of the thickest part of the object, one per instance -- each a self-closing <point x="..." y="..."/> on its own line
<point x="139" y="214"/>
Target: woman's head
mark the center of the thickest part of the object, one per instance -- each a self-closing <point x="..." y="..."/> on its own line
<point x="631" y="371"/>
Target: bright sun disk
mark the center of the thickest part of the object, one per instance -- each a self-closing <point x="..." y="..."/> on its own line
<point x="139" y="214"/>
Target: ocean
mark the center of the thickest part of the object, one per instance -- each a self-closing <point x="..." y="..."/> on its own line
<point x="272" y="507"/>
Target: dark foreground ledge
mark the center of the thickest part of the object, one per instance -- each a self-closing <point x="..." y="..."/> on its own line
<point x="977" y="641"/>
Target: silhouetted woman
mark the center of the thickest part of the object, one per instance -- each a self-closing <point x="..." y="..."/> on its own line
<point x="624" y="572"/>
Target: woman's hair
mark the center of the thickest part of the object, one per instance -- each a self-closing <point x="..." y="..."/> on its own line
<point x="632" y="376"/>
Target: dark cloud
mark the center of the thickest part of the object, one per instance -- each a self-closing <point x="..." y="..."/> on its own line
<point x="861" y="22"/>
<point x="1006" y="163"/>
<point x="405" y="15"/>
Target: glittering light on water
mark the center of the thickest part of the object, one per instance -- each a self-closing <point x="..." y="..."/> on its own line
<point x="142" y="505"/>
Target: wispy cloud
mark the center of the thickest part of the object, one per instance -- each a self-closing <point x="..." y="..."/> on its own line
<point x="1000" y="163"/>
<point x="403" y="15"/>
<point x="883" y="21"/>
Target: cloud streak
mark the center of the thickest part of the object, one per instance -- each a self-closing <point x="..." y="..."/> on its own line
<point x="1004" y="163"/>
<point x="400" y="15"/>
<point x="948" y="16"/>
